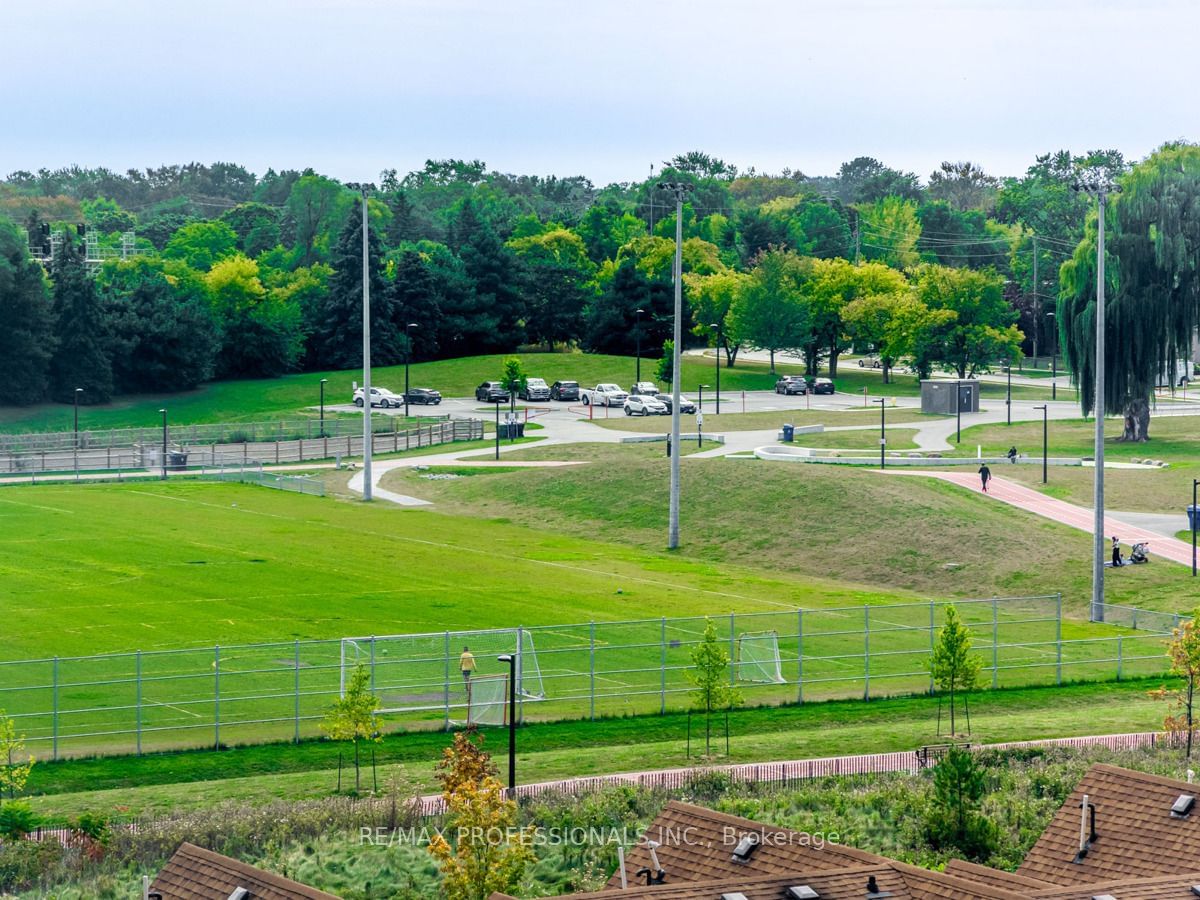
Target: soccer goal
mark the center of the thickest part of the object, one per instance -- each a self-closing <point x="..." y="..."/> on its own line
<point x="758" y="658"/>
<point x="413" y="672"/>
<point x="487" y="700"/>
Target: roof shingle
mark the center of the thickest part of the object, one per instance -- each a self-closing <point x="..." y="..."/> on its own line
<point x="194" y="873"/>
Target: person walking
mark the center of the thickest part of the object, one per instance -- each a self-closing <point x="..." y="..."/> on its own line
<point x="985" y="475"/>
<point x="1012" y="455"/>
<point x="466" y="665"/>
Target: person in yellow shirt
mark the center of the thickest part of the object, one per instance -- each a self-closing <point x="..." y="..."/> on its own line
<point x="466" y="665"/>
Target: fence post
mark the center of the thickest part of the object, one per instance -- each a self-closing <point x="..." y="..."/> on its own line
<point x="520" y="664"/>
<point x="592" y="670"/>
<point x="932" y="640"/>
<point x="1120" y="655"/>
<point x="138" y="675"/>
<point x="296" y="692"/>
<point x="217" y="697"/>
<point x="1058" y="637"/>
<point x="662" y="668"/>
<point x="732" y="647"/>
<point x="799" y="656"/>
<point x="372" y="664"/>
<point x="54" y="713"/>
<point x="446" y="679"/>
<point x="866" y="652"/>
<point x="995" y="645"/>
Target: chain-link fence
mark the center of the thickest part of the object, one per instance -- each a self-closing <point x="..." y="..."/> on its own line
<point x="157" y="700"/>
<point x="1141" y="619"/>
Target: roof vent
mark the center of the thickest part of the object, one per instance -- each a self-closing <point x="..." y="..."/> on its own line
<point x="801" y="892"/>
<point x="1182" y="807"/>
<point x="733" y="896"/>
<point x="745" y="848"/>
<point x="1196" y="889"/>
<point x="239" y="894"/>
<point x="873" y="888"/>
<point x="1103" y="897"/>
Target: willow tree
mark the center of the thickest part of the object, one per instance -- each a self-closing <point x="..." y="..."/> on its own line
<point x="1152" y="287"/>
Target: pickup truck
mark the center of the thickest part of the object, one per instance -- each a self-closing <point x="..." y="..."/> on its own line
<point x="603" y="395"/>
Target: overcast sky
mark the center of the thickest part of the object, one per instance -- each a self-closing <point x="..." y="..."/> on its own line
<point x="602" y="88"/>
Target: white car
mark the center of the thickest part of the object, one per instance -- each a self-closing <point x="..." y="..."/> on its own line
<point x="604" y="395"/>
<point x="645" y="405"/>
<point x="380" y="397"/>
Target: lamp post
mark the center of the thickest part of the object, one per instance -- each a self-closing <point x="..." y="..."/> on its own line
<point x="958" y="410"/>
<point x="322" y="382"/>
<point x="1045" y="437"/>
<point x="638" y="330"/>
<point x="407" y="356"/>
<point x="1053" y="356"/>
<point x="511" y="659"/>
<point x="164" y="444"/>
<point x="1008" y="395"/>
<point x="78" y="391"/>
<point x="700" y="400"/>
<point x="882" y="401"/>
<point x="700" y="417"/>
<point x="497" y="402"/>
<point x="1195" y="521"/>
<point x="717" y="325"/>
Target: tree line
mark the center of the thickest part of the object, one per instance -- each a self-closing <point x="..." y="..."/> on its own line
<point x="247" y="276"/>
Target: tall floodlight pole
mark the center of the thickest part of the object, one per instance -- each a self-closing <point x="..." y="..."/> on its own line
<point x="882" y="401"/>
<point x="164" y="444"/>
<point x="323" y="382"/>
<point x="1097" y="182"/>
<point x="407" y="356"/>
<point x="717" y="326"/>
<point x="1053" y="356"/>
<point x="638" y="332"/>
<point x="368" y="438"/>
<point x="679" y="190"/>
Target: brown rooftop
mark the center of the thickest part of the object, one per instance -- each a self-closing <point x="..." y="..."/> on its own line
<point x="1136" y="834"/>
<point x="697" y="844"/>
<point x="1165" y="887"/>
<point x="1009" y="881"/>
<point x="194" y="873"/>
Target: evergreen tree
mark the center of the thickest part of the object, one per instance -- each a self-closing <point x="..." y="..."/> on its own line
<point x="493" y="269"/>
<point x="26" y="321"/>
<point x="611" y="322"/>
<point x="953" y="667"/>
<point x="81" y="355"/>
<point x="415" y="299"/>
<point x="336" y="341"/>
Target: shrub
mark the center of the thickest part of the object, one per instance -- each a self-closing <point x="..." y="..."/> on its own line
<point x="17" y="819"/>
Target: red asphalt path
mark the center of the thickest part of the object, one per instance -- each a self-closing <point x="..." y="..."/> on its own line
<point x="1080" y="517"/>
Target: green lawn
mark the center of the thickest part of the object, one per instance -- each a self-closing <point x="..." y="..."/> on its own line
<point x="159" y="783"/>
<point x="730" y="420"/>
<point x="291" y="395"/>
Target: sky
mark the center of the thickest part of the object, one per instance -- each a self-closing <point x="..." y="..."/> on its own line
<point x="602" y="88"/>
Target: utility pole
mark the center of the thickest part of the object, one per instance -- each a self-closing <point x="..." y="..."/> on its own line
<point x="1096" y="182"/>
<point x="857" y="239"/>
<point x="1037" y="300"/>
<point x="368" y="437"/>
<point x="679" y="189"/>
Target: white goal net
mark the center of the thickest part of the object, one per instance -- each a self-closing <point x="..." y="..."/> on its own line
<point x="487" y="700"/>
<point x="411" y="672"/>
<point x="758" y="658"/>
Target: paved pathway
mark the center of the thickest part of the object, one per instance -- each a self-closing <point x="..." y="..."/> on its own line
<point x="1080" y="517"/>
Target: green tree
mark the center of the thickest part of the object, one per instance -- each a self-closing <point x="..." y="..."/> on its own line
<point x="317" y="208"/>
<point x="882" y="321"/>
<point x="963" y="185"/>
<point x="711" y="298"/>
<point x="1152" y="293"/>
<point x="415" y="300"/>
<point x="890" y="231"/>
<point x="606" y="227"/>
<point x="982" y="328"/>
<point x="665" y="370"/>
<point x="261" y="332"/>
<point x="559" y="280"/>
<point x="832" y="284"/>
<point x="106" y="216"/>
<point x="514" y="379"/>
<point x="866" y="180"/>
<point x="954" y="819"/>
<point x="1184" y="652"/>
<point x="17" y="763"/>
<point x="494" y="273"/>
<point x="954" y="668"/>
<point x="256" y="226"/>
<point x="769" y="312"/>
<point x="26" y="321"/>
<point x="611" y="321"/>
<point x="710" y="676"/>
<point x="81" y="355"/>
<point x="202" y="244"/>
<point x="352" y="717"/>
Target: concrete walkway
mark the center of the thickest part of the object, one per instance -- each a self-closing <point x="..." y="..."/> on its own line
<point x="1026" y="498"/>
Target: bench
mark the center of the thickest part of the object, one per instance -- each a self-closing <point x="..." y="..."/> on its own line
<point x="930" y="754"/>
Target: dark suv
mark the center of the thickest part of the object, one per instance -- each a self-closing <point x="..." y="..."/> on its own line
<point x="491" y="392"/>
<point x="424" y="396"/>
<point x="791" y="384"/>
<point x="564" y="390"/>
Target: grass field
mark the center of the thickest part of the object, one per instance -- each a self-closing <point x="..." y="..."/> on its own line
<point x="233" y="401"/>
<point x="731" y="420"/>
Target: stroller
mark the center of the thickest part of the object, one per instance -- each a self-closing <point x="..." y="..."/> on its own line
<point x="1140" y="553"/>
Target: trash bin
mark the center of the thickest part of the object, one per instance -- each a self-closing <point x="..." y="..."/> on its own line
<point x="176" y="461"/>
<point x="789" y="433"/>
<point x="1194" y="517"/>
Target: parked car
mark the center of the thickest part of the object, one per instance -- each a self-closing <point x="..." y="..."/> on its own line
<point x="791" y="384"/>
<point x="564" y="390"/>
<point x="822" y="386"/>
<point x="603" y="395"/>
<point x="645" y="405"/>
<point x="644" y="388"/>
<point x="870" y="362"/>
<point x="424" y="396"/>
<point x="491" y="392"/>
<point x="380" y="397"/>
<point x="534" y="389"/>
<point x="685" y="405"/>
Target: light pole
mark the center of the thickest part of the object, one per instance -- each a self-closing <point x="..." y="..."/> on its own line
<point x="322" y="383"/>
<point x="1098" y="183"/>
<point x="717" y="325"/>
<point x="1008" y="395"/>
<point x="511" y="659"/>
<point x="368" y="436"/>
<point x="679" y="189"/>
<point x="1045" y="437"/>
<point x="407" y="356"/>
<point x="958" y="410"/>
<point x="700" y="416"/>
<point x="497" y="402"/>
<point x="638" y="334"/>
<point x="78" y="391"/>
<point x="164" y="444"/>
<point x="882" y="401"/>
<point x="1053" y="356"/>
<point x="1195" y="521"/>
